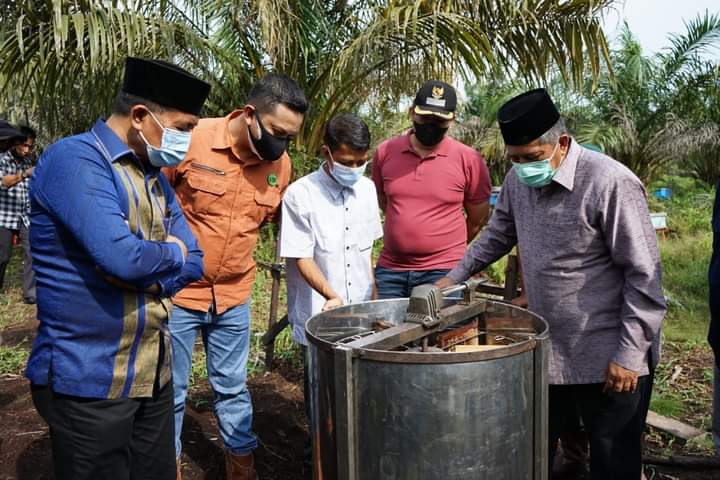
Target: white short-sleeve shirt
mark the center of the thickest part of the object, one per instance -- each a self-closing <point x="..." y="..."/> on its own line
<point x="335" y="226"/>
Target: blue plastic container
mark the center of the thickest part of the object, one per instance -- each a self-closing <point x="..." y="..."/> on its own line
<point x="494" y="195"/>
<point x="663" y="193"/>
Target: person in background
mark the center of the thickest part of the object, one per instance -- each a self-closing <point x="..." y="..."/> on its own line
<point x="330" y="221"/>
<point x="110" y="246"/>
<point x="434" y="191"/>
<point x="15" y="172"/>
<point x="714" y="333"/>
<point x="7" y="134"/>
<point x="592" y="269"/>
<point x="231" y="183"/>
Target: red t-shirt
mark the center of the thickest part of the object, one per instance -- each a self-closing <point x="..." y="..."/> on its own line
<point x="424" y="217"/>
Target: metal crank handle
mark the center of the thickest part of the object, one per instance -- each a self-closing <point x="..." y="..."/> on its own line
<point x="470" y="284"/>
<point x="461" y="287"/>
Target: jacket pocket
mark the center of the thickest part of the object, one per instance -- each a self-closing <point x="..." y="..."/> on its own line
<point x="205" y="192"/>
<point x="266" y="202"/>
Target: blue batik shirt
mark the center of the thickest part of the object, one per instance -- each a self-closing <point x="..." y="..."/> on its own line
<point x="99" y="222"/>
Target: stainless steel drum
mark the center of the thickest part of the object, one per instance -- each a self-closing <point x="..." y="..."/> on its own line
<point x="387" y="405"/>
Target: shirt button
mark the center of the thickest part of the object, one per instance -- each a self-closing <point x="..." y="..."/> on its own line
<point x="347" y="228"/>
<point x="348" y="264"/>
<point x="347" y="248"/>
<point x="349" y="283"/>
<point x="346" y="209"/>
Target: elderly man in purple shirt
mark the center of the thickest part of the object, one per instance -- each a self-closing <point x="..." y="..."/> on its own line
<point x="592" y="270"/>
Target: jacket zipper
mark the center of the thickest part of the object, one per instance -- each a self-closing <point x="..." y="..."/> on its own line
<point x="207" y="168"/>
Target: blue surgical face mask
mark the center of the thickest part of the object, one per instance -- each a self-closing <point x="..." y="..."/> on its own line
<point x="173" y="146"/>
<point x="346" y="176"/>
<point x="536" y="174"/>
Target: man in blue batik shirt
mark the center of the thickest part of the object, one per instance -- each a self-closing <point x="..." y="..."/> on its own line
<point x="110" y="246"/>
<point x="714" y="335"/>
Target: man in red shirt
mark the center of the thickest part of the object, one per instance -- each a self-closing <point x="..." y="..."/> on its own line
<point x="434" y="191"/>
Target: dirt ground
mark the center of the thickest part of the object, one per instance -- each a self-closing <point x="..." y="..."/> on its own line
<point x="25" y="452"/>
<point x="280" y="423"/>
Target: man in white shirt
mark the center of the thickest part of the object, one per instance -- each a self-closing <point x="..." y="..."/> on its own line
<point x="330" y="220"/>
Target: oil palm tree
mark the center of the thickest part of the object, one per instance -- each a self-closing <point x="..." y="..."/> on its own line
<point x="655" y="111"/>
<point x="62" y="58"/>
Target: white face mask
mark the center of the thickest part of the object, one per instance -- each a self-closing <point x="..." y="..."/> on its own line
<point x="346" y="176"/>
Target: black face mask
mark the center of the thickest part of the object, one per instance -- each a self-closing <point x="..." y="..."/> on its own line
<point x="429" y="134"/>
<point x="268" y="147"/>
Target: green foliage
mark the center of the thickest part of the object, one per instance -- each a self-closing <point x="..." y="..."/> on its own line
<point x="198" y="370"/>
<point x="62" y="60"/>
<point x="478" y="127"/>
<point x="690" y="208"/>
<point x="12" y="310"/>
<point x="303" y="163"/>
<point x="685" y="257"/>
<point x="649" y="114"/>
<point x="685" y="264"/>
<point x="12" y="360"/>
<point x="668" y="406"/>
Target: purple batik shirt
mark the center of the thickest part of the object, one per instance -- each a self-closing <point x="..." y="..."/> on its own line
<point x="590" y="263"/>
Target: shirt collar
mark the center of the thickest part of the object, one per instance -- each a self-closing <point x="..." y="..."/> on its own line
<point x="221" y="140"/>
<point x="115" y="147"/>
<point x="565" y="174"/>
<point x="329" y="182"/>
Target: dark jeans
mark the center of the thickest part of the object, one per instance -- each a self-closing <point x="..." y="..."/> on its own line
<point x="6" y="248"/>
<point x="614" y="423"/>
<point x="119" y="439"/>
<point x="399" y="283"/>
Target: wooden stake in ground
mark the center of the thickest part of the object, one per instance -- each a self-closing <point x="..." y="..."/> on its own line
<point x="673" y="427"/>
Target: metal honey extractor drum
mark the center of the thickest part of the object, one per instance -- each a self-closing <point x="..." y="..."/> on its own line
<point x="398" y="393"/>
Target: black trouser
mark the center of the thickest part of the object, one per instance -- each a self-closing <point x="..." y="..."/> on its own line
<point x="6" y="236"/>
<point x="120" y="439"/>
<point x="614" y="423"/>
<point x="6" y="249"/>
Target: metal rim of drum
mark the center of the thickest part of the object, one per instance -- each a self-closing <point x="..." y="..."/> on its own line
<point x="445" y="357"/>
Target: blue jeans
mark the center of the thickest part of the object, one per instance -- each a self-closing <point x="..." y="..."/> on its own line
<point x="227" y="344"/>
<point x="399" y="283"/>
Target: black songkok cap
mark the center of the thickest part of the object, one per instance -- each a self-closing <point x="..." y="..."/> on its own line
<point x="7" y="131"/>
<point x="527" y="117"/>
<point x="165" y="84"/>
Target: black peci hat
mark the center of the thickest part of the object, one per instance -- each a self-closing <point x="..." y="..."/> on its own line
<point x="527" y="117"/>
<point x="165" y="84"/>
<point x="436" y="98"/>
<point x="7" y="131"/>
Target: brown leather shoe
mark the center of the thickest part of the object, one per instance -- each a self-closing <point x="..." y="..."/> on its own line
<point x="239" y="467"/>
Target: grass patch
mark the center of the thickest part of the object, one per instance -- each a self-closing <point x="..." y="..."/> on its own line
<point x="12" y="309"/>
<point x="686" y="256"/>
<point x="12" y="360"/>
<point x="667" y="406"/>
<point x="685" y="263"/>
<point x="683" y="380"/>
